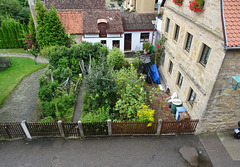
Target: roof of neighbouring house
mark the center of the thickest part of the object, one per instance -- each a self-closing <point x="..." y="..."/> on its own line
<point x="72" y="21"/>
<point x="114" y="21"/>
<point x="231" y="10"/>
<point x="76" y="4"/>
<point x="135" y="21"/>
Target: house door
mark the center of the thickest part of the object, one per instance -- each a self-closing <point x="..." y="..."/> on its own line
<point x="128" y="42"/>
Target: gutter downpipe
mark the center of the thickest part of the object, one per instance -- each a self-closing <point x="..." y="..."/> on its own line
<point x="224" y="26"/>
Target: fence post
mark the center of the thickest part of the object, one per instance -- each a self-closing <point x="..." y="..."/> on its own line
<point x="25" y="129"/>
<point x="109" y="127"/>
<point x="60" y="127"/>
<point x="80" y="128"/>
<point x="7" y="131"/>
<point x="159" y="126"/>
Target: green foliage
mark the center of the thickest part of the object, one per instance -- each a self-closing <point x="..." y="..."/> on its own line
<point x="47" y="120"/>
<point x="159" y="49"/>
<point x="46" y="92"/>
<point x="31" y="29"/>
<point x="5" y="63"/>
<point x="100" y="115"/>
<point x="131" y="92"/>
<point x="11" y="33"/>
<point x="16" y="9"/>
<point x="70" y="41"/>
<point x="136" y="63"/>
<point x="60" y="56"/>
<point x="100" y="86"/>
<point x="50" y="31"/>
<point x="115" y="58"/>
<point x="147" y="46"/>
<point x="145" y="114"/>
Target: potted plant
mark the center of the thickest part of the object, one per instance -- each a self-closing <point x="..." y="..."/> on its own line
<point x="178" y="2"/>
<point x="196" y="5"/>
<point x="159" y="15"/>
<point x="147" y="47"/>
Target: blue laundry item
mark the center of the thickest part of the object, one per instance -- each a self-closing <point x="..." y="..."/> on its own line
<point x="154" y="74"/>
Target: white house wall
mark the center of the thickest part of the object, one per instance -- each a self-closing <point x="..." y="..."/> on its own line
<point x="136" y="45"/>
<point x="109" y="41"/>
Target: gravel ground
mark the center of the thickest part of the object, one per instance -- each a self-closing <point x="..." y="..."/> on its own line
<point x="21" y="103"/>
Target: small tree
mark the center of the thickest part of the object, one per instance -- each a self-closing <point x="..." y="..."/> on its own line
<point x="50" y="31"/>
<point x="115" y="58"/>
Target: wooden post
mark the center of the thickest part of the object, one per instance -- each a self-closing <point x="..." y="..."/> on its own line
<point x="25" y="129"/>
<point x="60" y="127"/>
<point x="80" y="128"/>
<point x="7" y="131"/>
<point x="159" y="126"/>
<point x="109" y="127"/>
<point x="51" y="75"/>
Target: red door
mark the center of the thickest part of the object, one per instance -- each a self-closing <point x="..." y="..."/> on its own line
<point x="128" y="42"/>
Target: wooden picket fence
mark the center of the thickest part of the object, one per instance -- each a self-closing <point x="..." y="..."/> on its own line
<point x="59" y="129"/>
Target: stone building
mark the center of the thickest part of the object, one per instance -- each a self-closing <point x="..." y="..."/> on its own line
<point x="142" y="6"/>
<point x="202" y="50"/>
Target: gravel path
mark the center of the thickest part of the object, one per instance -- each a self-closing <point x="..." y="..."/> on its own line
<point x="40" y="59"/>
<point x="21" y="103"/>
<point x="78" y="108"/>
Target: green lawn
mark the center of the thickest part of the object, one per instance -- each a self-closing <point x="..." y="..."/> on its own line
<point x="19" y="50"/>
<point x="20" y="68"/>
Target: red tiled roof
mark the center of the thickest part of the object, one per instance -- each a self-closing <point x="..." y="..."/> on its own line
<point x="232" y="22"/>
<point x="76" y="4"/>
<point x="72" y="21"/>
<point x="114" y="21"/>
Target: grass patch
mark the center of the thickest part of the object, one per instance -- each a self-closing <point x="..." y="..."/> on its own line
<point x="9" y="78"/>
<point x="18" y="50"/>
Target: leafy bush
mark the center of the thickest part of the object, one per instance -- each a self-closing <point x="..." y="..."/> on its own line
<point x="100" y="85"/>
<point x="145" y="114"/>
<point x="46" y="92"/>
<point x="100" y="115"/>
<point x="136" y="63"/>
<point x="147" y="46"/>
<point x="47" y="120"/>
<point x="115" y="58"/>
<point x="131" y="92"/>
<point x="5" y="63"/>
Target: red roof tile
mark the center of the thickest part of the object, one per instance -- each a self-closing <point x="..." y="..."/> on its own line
<point x="72" y="21"/>
<point x="232" y="22"/>
<point x="114" y="21"/>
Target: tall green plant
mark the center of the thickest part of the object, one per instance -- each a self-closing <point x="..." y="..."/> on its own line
<point x="50" y="31"/>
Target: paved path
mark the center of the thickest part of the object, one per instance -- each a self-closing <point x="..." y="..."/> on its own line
<point x="21" y="103"/>
<point x="100" y="152"/>
<point x="40" y="59"/>
<point x="78" y="109"/>
<point x="220" y="147"/>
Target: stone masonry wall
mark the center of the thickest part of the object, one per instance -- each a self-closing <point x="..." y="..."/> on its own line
<point x="223" y="108"/>
<point x="201" y="79"/>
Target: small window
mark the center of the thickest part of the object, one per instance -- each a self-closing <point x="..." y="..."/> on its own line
<point x="192" y="97"/>
<point x="144" y="37"/>
<point x="205" y="54"/>
<point x="176" y="32"/>
<point x="180" y="80"/>
<point x="170" y="67"/>
<point x="104" y="42"/>
<point x="116" y="43"/>
<point x="162" y="59"/>
<point x="189" y="42"/>
<point x="167" y="25"/>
